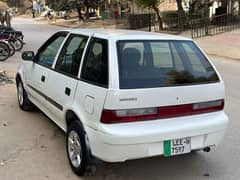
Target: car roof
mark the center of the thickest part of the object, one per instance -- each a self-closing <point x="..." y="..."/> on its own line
<point x="120" y="34"/>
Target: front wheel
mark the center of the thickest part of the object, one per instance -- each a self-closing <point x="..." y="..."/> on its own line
<point x="77" y="151"/>
<point x="23" y="101"/>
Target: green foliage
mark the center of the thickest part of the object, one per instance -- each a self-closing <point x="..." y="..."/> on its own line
<point x="169" y="14"/>
<point x="152" y="4"/>
<point x="71" y="4"/>
<point x="57" y="5"/>
<point x="149" y="3"/>
<point x="11" y="3"/>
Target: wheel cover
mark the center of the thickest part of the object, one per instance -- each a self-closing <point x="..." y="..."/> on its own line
<point x="74" y="149"/>
<point x="20" y="94"/>
<point x="17" y="44"/>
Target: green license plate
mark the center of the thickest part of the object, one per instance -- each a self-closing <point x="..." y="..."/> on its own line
<point x="177" y="146"/>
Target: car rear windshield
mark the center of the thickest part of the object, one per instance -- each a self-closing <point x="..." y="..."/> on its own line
<point x="151" y="63"/>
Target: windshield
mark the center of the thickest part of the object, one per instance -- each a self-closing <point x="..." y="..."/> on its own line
<point x="151" y="63"/>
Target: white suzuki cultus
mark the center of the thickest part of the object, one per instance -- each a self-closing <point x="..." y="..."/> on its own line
<point x="122" y="95"/>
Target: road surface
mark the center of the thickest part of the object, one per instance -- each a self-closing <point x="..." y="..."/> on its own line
<point x="33" y="148"/>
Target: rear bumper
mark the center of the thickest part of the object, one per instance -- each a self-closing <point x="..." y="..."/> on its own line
<point x="117" y="143"/>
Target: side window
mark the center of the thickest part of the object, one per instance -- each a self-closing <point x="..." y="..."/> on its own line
<point x="49" y="50"/>
<point x="70" y="57"/>
<point x="95" y="65"/>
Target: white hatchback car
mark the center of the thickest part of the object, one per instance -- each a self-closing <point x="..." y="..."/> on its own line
<point x="123" y="95"/>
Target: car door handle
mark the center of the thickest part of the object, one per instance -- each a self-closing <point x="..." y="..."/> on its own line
<point x="43" y="78"/>
<point x="67" y="91"/>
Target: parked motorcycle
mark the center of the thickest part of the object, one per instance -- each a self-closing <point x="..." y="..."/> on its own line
<point x="9" y="40"/>
<point x="14" y="37"/>
<point x="4" y="51"/>
<point x="10" y="43"/>
<point x="19" y="34"/>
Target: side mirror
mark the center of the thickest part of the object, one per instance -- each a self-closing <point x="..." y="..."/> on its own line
<point x="28" y="55"/>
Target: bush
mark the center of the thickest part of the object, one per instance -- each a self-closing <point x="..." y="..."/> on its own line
<point x="169" y="14"/>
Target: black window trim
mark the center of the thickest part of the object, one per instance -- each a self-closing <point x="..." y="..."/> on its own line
<point x="52" y="68"/>
<point x="64" y="45"/>
<point x="64" y="33"/>
<point x="93" y="38"/>
<point x="164" y="40"/>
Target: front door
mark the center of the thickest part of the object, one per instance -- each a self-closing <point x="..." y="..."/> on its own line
<point x="40" y="69"/>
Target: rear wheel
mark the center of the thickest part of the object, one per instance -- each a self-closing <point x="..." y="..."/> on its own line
<point x="4" y="51"/>
<point x="77" y="151"/>
<point x="18" y="44"/>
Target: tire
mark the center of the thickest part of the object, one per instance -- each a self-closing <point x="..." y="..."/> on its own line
<point x="4" y="51"/>
<point x="18" y="44"/>
<point x="23" y="101"/>
<point x="77" y="151"/>
<point x="12" y="48"/>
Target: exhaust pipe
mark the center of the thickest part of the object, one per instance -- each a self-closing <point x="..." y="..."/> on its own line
<point x="207" y="149"/>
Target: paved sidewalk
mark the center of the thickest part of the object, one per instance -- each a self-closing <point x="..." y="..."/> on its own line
<point x="223" y="45"/>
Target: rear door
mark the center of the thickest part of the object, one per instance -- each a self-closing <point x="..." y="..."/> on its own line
<point x="93" y="84"/>
<point x="63" y="81"/>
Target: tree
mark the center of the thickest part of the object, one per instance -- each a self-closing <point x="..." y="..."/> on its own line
<point x="198" y="8"/>
<point x="79" y="5"/>
<point x="13" y="3"/>
<point x="57" y="5"/>
<point x="181" y="14"/>
<point x="153" y="4"/>
<point x="180" y="7"/>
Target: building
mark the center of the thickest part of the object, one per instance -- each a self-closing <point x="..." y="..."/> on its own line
<point x="230" y="7"/>
<point x="168" y="5"/>
<point x="171" y="5"/>
<point x="226" y="6"/>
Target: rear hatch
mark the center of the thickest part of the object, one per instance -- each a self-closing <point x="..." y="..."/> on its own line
<point x="162" y="79"/>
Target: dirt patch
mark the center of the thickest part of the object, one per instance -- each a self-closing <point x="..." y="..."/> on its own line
<point x="5" y="79"/>
<point x="3" y="6"/>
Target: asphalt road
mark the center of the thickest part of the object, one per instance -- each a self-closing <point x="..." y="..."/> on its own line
<point x="33" y="148"/>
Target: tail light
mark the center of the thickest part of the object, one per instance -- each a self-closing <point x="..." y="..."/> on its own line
<point x="129" y="115"/>
<point x="144" y="114"/>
